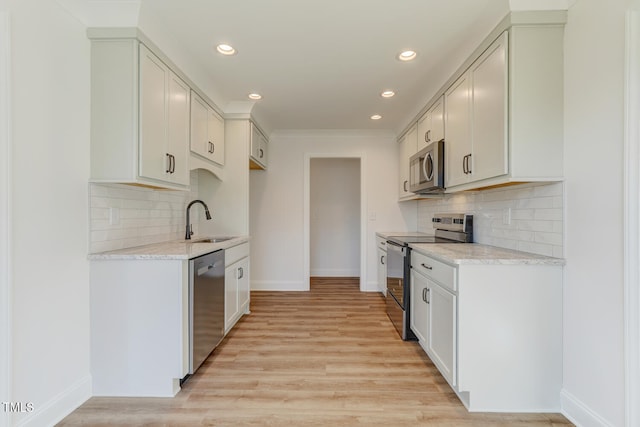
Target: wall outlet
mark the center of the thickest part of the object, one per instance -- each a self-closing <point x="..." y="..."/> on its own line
<point x="506" y="216"/>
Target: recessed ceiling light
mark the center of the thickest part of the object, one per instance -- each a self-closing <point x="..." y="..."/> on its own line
<point x="407" y="55"/>
<point x="387" y="94"/>
<point x="376" y="117"/>
<point x="226" y="49"/>
<point x="255" y="96"/>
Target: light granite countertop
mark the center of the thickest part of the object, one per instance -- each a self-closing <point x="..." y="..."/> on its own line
<point x="475" y="253"/>
<point x="175" y="249"/>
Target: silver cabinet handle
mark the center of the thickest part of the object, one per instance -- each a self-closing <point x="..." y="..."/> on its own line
<point x="404" y="185"/>
<point x="261" y="153"/>
<point x="240" y="273"/>
<point x="427" y="300"/>
<point x="424" y="294"/>
<point x="427" y="136"/>
<point x="212" y="147"/>
<point x="382" y="259"/>
<point x="428" y="267"/>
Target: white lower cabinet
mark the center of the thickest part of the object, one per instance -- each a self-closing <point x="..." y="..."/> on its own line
<point x="139" y="326"/>
<point x="236" y="285"/>
<point x="493" y="330"/>
<point x="433" y="320"/>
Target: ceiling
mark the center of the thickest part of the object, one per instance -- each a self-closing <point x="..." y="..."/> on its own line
<point x="322" y="64"/>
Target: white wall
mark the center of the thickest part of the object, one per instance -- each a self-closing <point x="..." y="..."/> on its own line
<point x="335" y="217"/>
<point x="50" y="170"/>
<point x="5" y="179"/>
<point x="593" y="292"/>
<point x="277" y="202"/>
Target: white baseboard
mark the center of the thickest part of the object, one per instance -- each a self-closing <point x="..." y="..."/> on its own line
<point x="277" y="285"/>
<point x="579" y="413"/>
<point x="335" y="272"/>
<point x="60" y="406"/>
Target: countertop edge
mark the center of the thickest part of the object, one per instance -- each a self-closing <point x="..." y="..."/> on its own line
<point x="171" y="250"/>
<point x="461" y="254"/>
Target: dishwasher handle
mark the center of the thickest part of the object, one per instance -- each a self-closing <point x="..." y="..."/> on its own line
<point x="203" y="270"/>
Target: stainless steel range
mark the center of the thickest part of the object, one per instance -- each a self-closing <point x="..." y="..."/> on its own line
<point x="450" y="228"/>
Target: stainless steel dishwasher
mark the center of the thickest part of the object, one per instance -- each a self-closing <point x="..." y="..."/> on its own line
<point x="206" y="306"/>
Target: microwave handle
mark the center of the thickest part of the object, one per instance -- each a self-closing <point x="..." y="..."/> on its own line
<point x="424" y="167"/>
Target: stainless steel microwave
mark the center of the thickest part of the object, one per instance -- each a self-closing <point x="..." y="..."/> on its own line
<point x="426" y="169"/>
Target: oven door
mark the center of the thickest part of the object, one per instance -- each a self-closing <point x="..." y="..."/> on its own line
<point x="395" y="272"/>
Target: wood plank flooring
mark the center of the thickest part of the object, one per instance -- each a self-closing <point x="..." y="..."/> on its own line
<point x="328" y="357"/>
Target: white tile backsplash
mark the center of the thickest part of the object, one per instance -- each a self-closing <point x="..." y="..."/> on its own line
<point x="145" y="215"/>
<point x="537" y="212"/>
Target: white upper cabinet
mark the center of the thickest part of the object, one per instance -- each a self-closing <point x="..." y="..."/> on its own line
<point x="458" y="127"/>
<point x="140" y="114"/>
<point x="258" y="157"/>
<point x="476" y="119"/>
<point x="207" y="131"/>
<point x="431" y="124"/>
<point x="503" y="109"/>
<point x="407" y="147"/>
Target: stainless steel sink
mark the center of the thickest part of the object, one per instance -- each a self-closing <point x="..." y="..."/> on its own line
<point x="212" y="240"/>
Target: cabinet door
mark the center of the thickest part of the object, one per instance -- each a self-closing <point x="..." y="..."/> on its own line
<point x="215" y="141"/>
<point x="489" y="106"/>
<point x="382" y="270"/>
<point x="258" y="146"/>
<point x="178" y="122"/>
<point x="458" y="130"/>
<point x="419" y="308"/>
<point x="199" y="125"/>
<point x="407" y="147"/>
<point x="431" y="125"/>
<point x="424" y="130"/>
<point x="154" y="159"/>
<point x="442" y="327"/>
<point x="244" y="288"/>
<point x="230" y="295"/>
<point x="437" y="120"/>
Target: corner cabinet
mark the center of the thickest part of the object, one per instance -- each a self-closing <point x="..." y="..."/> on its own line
<point x="140" y="117"/>
<point x="494" y="331"/>
<point x="407" y="146"/>
<point x="258" y="156"/>
<point x="207" y="131"/>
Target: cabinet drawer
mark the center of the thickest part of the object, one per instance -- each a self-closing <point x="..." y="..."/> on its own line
<point x="235" y="253"/>
<point x="436" y="270"/>
<point x="382" y="243"/>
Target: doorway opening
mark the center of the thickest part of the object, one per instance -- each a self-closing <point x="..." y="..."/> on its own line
<point x="334" y="236"/>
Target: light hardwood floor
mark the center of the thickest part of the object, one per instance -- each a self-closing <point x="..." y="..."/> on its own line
<point x="328" y="357"/>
